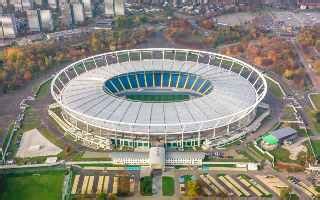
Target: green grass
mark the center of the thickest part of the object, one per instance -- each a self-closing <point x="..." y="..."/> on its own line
<point x="314" y="125"/>
<point x="316" y="147"/>
<point x="44" y="90"/>
<point x="288" y="114"/>
<point x="221" y="165"/>
<point x="146" y="186"/>
<point x="316" y="100"/>
<point x="47" y="185"/>
<point x="168" y="186"/>
<point x="281" y="154"/>
<point x="274" y="89"/>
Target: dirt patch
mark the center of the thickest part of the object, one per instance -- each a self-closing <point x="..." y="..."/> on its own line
<point x="289" y="167"/>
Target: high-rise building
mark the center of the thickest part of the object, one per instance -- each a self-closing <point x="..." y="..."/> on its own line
<point x="66" y="16"/>
<point x="78" y="13"/>
<point x="53" y="4"/>
<point x="46" y="20"/>
<point x="33" y="20"/>
<point x="38" y="2"/>
<point x="119" y="7"/>
<point x="8" y="26"/>
<point x="22" y="5"/>
<point x="87" y="8"/>
<point x="3" y="3"/>
<point x="108" y="7"/>
<point x="27" y="4"/>
<point x="64" y="3"/>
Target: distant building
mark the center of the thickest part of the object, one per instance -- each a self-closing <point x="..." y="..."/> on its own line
<point x="64" y="3"/>
<point x="119" y="7"/>
<point x="87" y="8"/>
<point x="27" y="4"/>
<point x="308" y="4"/>
<point x="108" y="7"/>
<point x="33" y="20"/>
<point x="77" y="13"/>
<point x="66" y="16"/>
<point x="46" y="20"/>
<point x="8" y="26"/>
<point x="53" y="4"/>
<point x="3" y="3"/>
<point x="38" y="2"/>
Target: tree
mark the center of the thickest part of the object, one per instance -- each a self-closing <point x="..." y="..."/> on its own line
<point x="318" y="117"/>
<point x="288" y="73"/>
<point x="27" y="75"/>
<point x="102" y="196"/>
<point x="192" y="189"/>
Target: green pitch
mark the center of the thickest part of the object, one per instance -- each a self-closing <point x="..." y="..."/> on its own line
<point x="46" y="185"/>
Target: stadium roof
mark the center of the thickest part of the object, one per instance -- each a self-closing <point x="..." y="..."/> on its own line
<point x="231" y="93"/>
<point x="232" y="97"/>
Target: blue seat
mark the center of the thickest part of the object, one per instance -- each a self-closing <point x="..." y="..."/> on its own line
<point x="174" y="79"/>
<point x="125" y="82"/>
<point x="157" y="79"/>
<point x="141" y="80"/>
<point x="117" y="83"/>
<point x="165" y="79"/>
<point x="182" y="80"/>
<point x="191" y="80"/>
<point x="110" y="87"/>
<point x="149" y="78"/>
<point x="197" y="84"/>
<point x="133" y="80"/>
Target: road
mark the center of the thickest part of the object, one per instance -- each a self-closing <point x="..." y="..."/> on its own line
<point x="311" y="73"/>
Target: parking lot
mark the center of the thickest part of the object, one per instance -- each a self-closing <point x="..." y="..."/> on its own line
<point x="92" y="181"/>
<point x="89" y="182"/>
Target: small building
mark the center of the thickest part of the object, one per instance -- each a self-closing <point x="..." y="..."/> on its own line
<point x="158" y="158"/>
<point x="278" y="137"/>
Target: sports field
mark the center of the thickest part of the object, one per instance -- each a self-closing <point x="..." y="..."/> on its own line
<point x="46" y="185"/>
<point x="158" y="98"/>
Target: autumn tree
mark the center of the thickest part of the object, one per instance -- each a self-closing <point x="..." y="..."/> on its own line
<point x="192" y="189"/>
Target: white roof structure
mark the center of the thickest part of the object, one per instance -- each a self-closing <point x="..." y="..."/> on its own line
<point x="234" y="94"/>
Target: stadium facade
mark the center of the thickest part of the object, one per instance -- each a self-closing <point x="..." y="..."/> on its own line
<point x="149" y="97"/>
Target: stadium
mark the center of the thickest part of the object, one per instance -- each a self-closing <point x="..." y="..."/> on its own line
<point x="139" y="98"/>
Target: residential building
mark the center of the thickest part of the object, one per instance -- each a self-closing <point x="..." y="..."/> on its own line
<point x="108" y="7"/>
<point x="53" y="4"/>
<point x="119" y="7"/>
<point x="87" y="8"/>
<point x="33" y="20"/>
<point x="46" y="20"/>
<point x="77" y="13"/>
<point x="8" y="26"/>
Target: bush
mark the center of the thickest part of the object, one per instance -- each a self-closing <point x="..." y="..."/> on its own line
<point x="146" y="186"/>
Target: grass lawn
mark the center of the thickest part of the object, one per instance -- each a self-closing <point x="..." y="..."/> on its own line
<point x="316" y="147"/>
<point x="274" y="89"/>
<point x="146" y="186"/>
<point x="43" y="90"/>
<point x="282" y="154"/>
<point x="288" y="114"/>
<point x="316" y="100"/>
<point x="47" y="185"/>
<point x="315" y="127"/>
<point x="167" y="186"/>
<point x="221" y="165"/>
